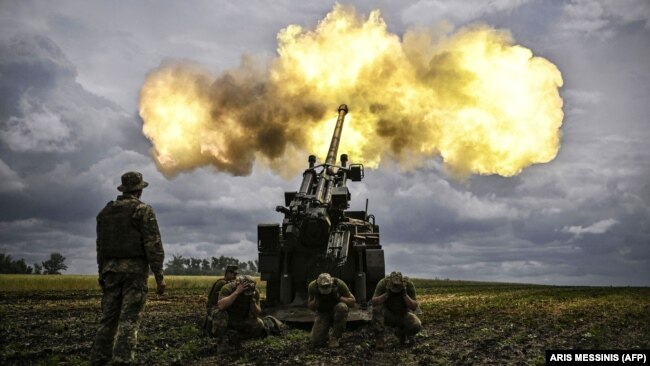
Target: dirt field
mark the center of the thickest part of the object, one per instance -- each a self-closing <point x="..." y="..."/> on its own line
<point x="465" y="323"/>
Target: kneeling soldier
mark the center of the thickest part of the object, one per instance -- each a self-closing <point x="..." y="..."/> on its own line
<point x="330" y="298"/>
<point x="239" y="310"/>
<point x="393" y="305"/>
<point x="212" y="309"/>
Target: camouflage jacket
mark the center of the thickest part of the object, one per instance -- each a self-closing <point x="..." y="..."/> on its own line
<point x="144" y="220"/>
<point x="327" y="302"/>
<point x="395" y="303"/>
<point x="240" y="308"/>
<point x="213" y="296"/>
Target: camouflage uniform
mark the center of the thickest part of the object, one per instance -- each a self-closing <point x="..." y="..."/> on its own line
<point x="213" y="298"/>
<point x="124" y="277"/>
<point x="330" y="313"/>
<point x="394" y="312"/>
<point x="238" y="317"/>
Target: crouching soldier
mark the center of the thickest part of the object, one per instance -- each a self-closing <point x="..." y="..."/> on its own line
<point x="330" y="298"/>
<point x="239" y="312"/>
<point x="393" y="305"/>
<point x="213" y="298"/>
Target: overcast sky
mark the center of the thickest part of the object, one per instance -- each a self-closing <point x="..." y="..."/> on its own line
<point x="71" y="71"/>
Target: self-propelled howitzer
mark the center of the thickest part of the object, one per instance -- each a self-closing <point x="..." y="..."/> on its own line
<point x="318" y="235"/>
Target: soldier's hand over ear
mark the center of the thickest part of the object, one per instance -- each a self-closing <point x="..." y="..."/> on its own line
<point x="241" y="287"/>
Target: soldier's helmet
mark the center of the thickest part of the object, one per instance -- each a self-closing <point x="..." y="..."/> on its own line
<point x="132" y="181"/>
<point x="324" y="282"/>
<point x="395" y="282"/>
<point x="249" y="282"/>
<point x="232" y="269"/>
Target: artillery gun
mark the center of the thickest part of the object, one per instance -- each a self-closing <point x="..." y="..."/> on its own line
<point x="318" y="235"/>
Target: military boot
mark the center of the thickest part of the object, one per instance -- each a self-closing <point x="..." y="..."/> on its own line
<point x="334" y="343"/>
<point x="410" y="340"/>
<point x="405" y="340"/>
<point x="380" y="342"/>
<point x="401" y="336"/>
<point x="223" y="346"/>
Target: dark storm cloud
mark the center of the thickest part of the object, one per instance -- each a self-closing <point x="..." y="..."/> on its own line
<point x="60" y="144"/>
<point x="569" y="221"/>
<point x="423" y="207"/>
<point x="55" y="133"/>
<point x="48" y="111"/>
<point x="29" y="62"/>
<point x="35" y="239"/>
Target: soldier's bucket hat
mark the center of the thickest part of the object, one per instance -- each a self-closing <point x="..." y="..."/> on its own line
<point x="324" y="282"/>
<point x="395" y="282"/>
<point x="232" y="269"/>
<point x="132" y="181"/>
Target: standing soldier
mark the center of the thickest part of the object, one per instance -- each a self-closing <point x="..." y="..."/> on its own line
<point x="239" y="311"/>
<point x="393" y="304"/>
<point x="213" y="297"/>
<point x="128" y="245"/>
<point x="330" y="298"/>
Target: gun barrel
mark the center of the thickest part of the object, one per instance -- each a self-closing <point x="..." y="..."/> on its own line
<point x="336" y="137"/>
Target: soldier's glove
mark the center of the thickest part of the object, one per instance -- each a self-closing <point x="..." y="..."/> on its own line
<point x="160" y="286"/>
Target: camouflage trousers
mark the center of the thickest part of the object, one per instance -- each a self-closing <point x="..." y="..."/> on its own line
<point x="208" y="324"/>
<point x="246" y="328"/>
<point x="407" y="324"/>
<point x="124" y="297"/>
<point x="335" y="319"/>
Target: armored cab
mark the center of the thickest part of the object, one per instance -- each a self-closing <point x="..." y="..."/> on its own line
<point x="319" y="235"/>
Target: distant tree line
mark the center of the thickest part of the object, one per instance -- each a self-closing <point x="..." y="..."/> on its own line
<point x="54" y="265"/>
<point x="178" y="265"/>
<point x="213" y="266"/>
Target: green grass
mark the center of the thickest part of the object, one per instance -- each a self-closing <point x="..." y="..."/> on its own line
<point x="89" y="282"/>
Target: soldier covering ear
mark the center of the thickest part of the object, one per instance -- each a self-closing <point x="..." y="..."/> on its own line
<point x="331" y="299"/>
<point x="394" y="304"/>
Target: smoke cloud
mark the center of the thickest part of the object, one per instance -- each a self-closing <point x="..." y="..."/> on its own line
<point x="472" y="97"/>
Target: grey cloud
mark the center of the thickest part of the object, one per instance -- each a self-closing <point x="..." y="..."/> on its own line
<point x="601" y="18"/>
<point x="35" y="239"/>
<point x="534" y="236"/>
<point x="37" y="129"/>
<point x="50" y="111"/>
<point x="599" y="227"/>
<point x="428" y="12"/>
<point x="34" y="60"/>
<point x="9" y="179"/>
<point x="206" y="32"/>
<point x="580" y="101"/>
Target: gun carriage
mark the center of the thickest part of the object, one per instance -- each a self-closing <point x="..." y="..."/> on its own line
<point x="318" y="234"/>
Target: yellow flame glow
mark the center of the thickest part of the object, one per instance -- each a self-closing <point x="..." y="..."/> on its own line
<point x="482" y="103"/>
